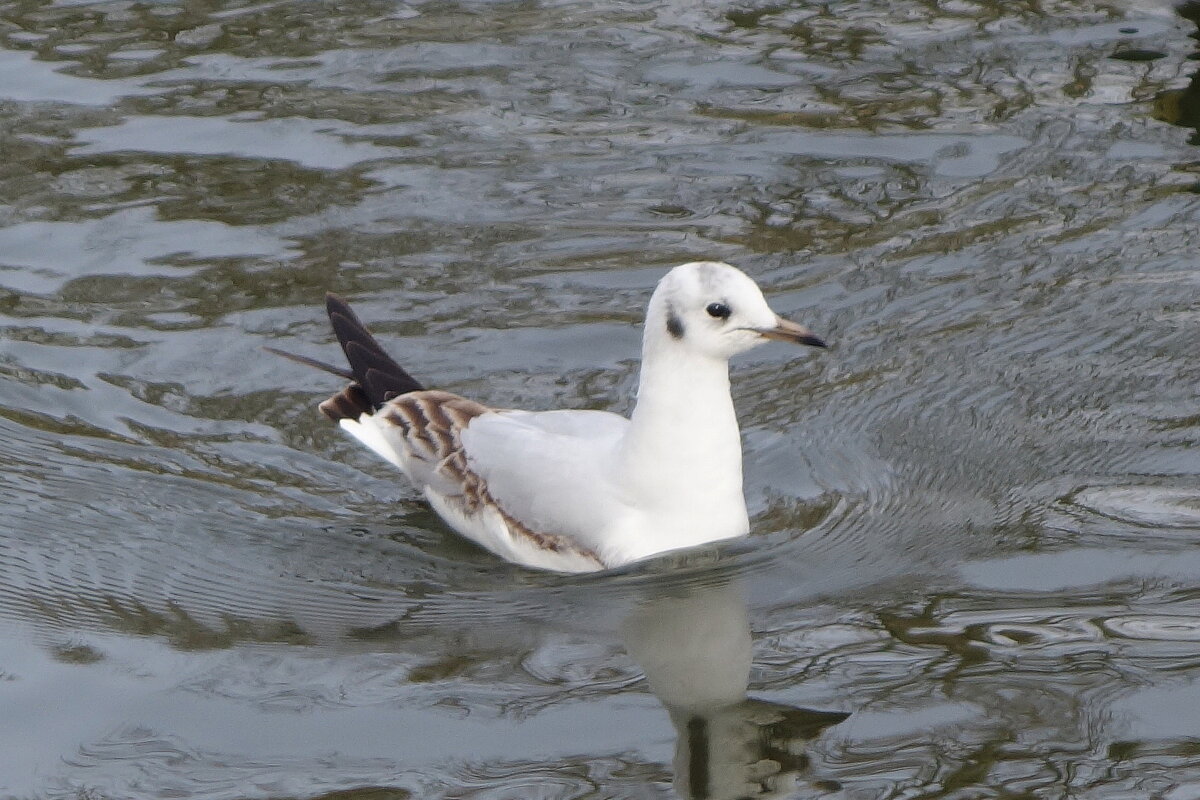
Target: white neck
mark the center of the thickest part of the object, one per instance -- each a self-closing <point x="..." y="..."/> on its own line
<point x="684" y="433"/>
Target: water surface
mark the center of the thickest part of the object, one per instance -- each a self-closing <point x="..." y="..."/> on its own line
<point x="974" y="517"/>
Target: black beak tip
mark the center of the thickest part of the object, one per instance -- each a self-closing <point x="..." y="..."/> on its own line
<point x="813" y="341"/>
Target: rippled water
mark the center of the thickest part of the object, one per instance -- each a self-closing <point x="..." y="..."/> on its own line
<point x="975" y="517"/>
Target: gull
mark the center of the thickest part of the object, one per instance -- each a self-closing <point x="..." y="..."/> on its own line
<point x="579" y="490"/>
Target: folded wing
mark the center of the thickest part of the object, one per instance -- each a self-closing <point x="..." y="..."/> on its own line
<point x="551" y="469"/>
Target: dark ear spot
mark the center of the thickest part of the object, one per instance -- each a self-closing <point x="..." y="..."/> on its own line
<point x="674" y="324"/>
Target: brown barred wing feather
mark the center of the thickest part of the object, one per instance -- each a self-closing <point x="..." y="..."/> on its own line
<point x="429" y="425"/>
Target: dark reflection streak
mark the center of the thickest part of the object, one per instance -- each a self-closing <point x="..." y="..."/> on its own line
<point x="697" y="734"/>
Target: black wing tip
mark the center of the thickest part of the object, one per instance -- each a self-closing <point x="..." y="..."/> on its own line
<point x="373" y="369"/>
<point x="336" y="304"/>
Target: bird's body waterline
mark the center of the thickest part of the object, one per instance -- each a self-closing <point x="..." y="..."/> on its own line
<point x="578" y="491"/>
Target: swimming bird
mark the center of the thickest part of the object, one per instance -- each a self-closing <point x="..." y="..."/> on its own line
<point x="579" y="490"/>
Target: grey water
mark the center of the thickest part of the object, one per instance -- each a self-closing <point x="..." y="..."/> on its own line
<point x="973" y="569"/>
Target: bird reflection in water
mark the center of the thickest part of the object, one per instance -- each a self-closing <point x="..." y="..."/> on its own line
<point x="694" y="645"/>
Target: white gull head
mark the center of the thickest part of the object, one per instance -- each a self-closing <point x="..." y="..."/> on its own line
<point x="712" y="309"/>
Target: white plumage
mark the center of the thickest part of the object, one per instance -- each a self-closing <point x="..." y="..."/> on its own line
<point x="580" y="490"/>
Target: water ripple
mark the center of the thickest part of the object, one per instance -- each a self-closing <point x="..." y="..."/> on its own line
<point x="972" y="516"/>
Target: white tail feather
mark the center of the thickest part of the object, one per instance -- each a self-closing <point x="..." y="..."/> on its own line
<point x="367" y="431"/>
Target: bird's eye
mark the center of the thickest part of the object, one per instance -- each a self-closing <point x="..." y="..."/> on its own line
<point x="718" y="310"/>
